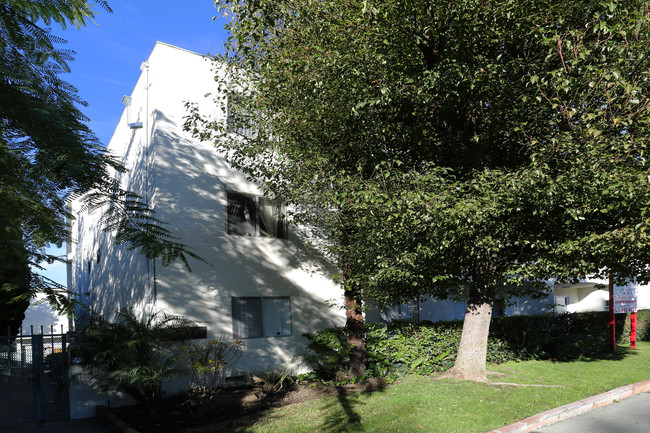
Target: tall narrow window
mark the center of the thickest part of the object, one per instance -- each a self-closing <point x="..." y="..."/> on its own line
<point x="242" y="215"/>
<point x="247" y="317"/>
<point x="238" y="121"/>
<point x="254" y="216"/>
<point x="261" y="317"/>
<point x="271" y="219"/>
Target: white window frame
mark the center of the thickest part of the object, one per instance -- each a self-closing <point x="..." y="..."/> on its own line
<point x="260" y="317"/>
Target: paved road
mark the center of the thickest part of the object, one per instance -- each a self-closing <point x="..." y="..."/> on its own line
<point x="91" y="425"/>
<point x="630" y="415"/>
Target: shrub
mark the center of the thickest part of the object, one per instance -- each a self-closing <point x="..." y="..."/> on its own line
<point x="327" y="352"/>
<point x="131" y="355"/>
<point x="423" y="348"/>
<point x="400" y="347"/>
<point x="428" y="347"/>
<point x="208" y="360"/>
<point x="643" y="325"/>
<point x="275" y="382"/>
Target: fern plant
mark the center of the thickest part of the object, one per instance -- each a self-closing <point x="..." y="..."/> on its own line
<point x="133" y="355"/>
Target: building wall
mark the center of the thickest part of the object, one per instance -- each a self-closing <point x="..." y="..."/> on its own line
<point x="97" y="264"/>
<point x="575" y="292"/>
<point x="187" y="182"/>
<point x="436" y="310"/>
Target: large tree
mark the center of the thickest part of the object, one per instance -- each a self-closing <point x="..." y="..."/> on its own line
<point x="466" y="149"/>
<point x="48" y="153"/>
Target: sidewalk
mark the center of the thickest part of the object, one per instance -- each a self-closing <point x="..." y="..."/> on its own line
<point x="571" y="410"/>
<point x="631" y="415"/>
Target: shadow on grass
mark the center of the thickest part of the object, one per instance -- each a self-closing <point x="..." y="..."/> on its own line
<point x="338" y="410"/>
<point x="340" y="414"/>
<point x="620" y="354"/>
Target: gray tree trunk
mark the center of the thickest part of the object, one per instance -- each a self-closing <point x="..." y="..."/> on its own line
<point x="472" y="351"/>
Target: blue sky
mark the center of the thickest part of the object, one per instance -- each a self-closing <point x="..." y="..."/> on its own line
<point x="109" y="54"/>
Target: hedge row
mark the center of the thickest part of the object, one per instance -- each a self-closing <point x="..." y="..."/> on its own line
<point x="428" y="347"/>
<point x="642" y="327"/>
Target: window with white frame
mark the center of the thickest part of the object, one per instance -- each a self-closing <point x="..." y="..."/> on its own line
<point x="248" y="215"/>
<point x="254" y="317"/>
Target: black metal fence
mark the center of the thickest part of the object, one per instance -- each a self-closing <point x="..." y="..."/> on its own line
<point x="34" y="377"/>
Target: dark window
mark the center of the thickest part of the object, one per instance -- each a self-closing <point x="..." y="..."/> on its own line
<point x="238" y="122"/>
<point x="407" y="311"/>
<point x="498" y="308"/>
<point x="255" y="216"/>
<point x="261" y="317"/>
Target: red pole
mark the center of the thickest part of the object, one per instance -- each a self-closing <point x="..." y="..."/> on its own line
<point x="612" y="321"/>
<point x="633" y="330"/>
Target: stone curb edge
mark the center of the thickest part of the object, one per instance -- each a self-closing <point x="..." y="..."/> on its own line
<point x="114" y="422"/>
<point x="573" y="409"/>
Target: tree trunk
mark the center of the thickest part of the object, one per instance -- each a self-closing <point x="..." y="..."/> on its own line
<point x="354" y="322"/>
<point x="472" y="351"/>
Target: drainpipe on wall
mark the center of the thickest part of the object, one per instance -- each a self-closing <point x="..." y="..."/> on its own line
<point x="151" y="264"/>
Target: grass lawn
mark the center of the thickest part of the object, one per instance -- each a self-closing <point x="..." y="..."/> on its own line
<point x="421" y="404"/>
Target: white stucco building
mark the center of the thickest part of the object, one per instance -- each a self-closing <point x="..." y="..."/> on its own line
<point x="262" y="285"/>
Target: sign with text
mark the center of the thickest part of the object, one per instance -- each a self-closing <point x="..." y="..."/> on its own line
<point x="625" y="298"/>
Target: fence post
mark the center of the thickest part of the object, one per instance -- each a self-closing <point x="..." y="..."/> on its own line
<point x="37" y="365"/>
<point x="66" y="366"/>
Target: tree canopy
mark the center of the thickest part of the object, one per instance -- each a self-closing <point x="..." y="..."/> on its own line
<point x="48" y="153"/>
<point x="466" y="150"/>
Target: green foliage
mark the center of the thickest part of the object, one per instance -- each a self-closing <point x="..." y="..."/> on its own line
<point x="135" y="225"/>
<point x="440" y="131"/>
<point x="427" y="347"/>
<point x="400" y="347"/>
<point x="14" y="282"/>
<point x="208" y="360"/>
<point x="46" y="147"/>
<point x="132" y="355"/>
<point x="328" y="351"/>
<point x="416" y="404"/>
<point x="275" y="382"/>
<point x="416" y="348"/>
<point x="455" y="149"/>
<point x="643" y="325"/>
<point x="561" y="336"/>
<point x="48" y="153"/>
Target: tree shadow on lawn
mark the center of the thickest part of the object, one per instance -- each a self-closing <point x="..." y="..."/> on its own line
<point x="338" y="410"/>
<point x="620" y="354"/>
<point x="340" y="414"/>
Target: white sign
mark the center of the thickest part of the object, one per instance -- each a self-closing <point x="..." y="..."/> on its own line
<point x="625" y="298"/>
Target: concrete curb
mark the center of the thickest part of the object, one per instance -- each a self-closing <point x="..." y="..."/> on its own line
<point x="114" y="422"/>
<point x="572" y="409"/>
